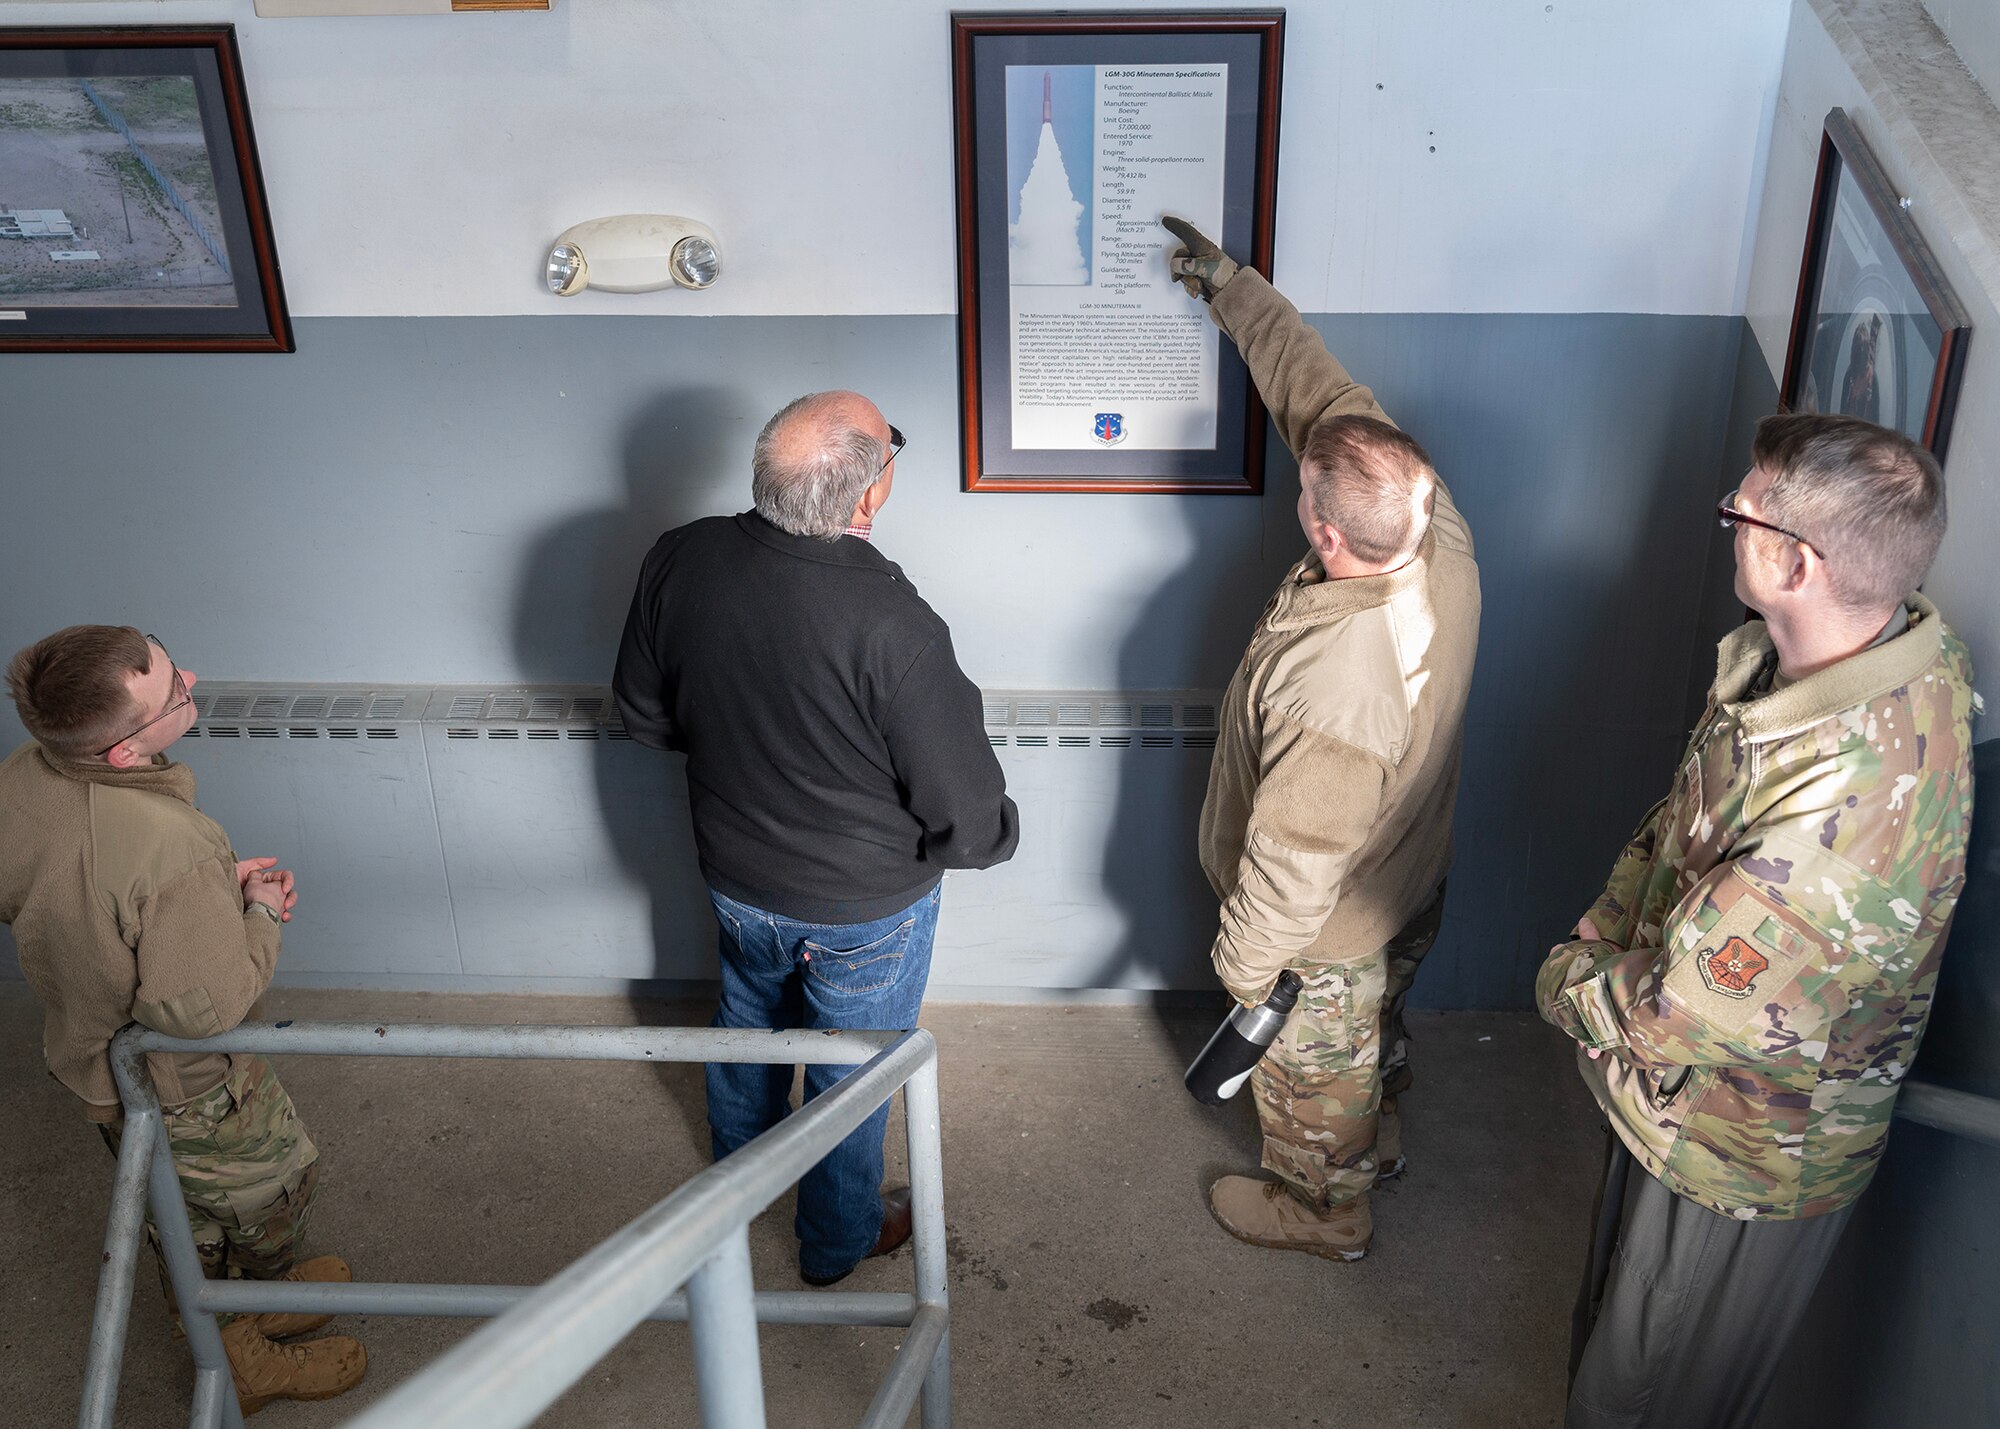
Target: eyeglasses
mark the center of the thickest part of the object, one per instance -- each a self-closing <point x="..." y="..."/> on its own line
<point x="180" y="701"/>
<point x="1730" y="518"/>
<point x="896" y="444"/>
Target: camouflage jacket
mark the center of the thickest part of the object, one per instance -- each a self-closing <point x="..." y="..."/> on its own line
<point x="1771" y="934"/>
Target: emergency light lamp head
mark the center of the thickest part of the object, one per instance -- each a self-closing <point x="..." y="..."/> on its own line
<point x="633" y="253"/>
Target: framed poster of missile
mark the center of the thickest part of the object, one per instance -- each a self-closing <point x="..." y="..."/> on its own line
<point x="1083" y="364"/>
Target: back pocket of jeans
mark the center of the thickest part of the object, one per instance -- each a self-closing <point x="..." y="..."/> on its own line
<point x="868" y="968"/>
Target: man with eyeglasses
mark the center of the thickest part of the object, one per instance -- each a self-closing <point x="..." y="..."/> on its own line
<point x="1749" y="990"/>
<point x="129" y="905"/>
<point x="837" y="765"/>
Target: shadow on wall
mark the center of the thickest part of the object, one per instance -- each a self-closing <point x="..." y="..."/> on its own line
<point x="1573" y="722"/>
<point x="1584" y="459"/>
<point x="1755" y="397"/>
<point x="1583" y="452"/>
<point x="1152" y="869"/>
<point x="683" y="459"/>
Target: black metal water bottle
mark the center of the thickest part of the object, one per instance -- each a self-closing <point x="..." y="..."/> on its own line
<point x="1238" y="1044"/>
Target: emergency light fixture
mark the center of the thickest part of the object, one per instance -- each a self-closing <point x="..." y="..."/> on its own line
<point x="633" y="253"/>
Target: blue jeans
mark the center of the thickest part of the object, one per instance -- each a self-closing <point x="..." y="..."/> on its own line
<point x="781" y="973"/>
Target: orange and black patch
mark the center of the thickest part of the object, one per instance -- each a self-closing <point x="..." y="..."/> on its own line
<point x="1733" y="968"/>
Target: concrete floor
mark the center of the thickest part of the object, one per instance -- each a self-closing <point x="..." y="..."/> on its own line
<point x="1089" y="1285"/>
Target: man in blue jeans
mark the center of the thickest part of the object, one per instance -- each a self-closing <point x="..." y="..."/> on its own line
<point x="837" y="765"/>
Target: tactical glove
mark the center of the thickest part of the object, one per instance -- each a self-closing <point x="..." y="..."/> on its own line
<point x="1201" y="267"/>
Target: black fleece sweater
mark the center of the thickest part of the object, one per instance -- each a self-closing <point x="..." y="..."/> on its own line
<point x="837" y="760"/>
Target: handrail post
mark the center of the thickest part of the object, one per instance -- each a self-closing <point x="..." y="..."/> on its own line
<point x="215" y="1400"/>
<point x="922" y="1129"/>
<point x="722" y="1318"/>
<point x="204" y="1336"/>
<point x="114" y="1281"/>
<point x="215" y="1388"/>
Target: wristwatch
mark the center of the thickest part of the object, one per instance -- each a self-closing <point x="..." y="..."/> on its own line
<point x="266" y="909"/>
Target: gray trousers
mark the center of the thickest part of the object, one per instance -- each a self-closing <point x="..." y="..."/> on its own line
<point x="1684" y="1313"/>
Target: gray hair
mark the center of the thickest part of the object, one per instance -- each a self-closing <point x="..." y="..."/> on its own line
<point x="811" y="488"/>
<point x="1870" y="500"/>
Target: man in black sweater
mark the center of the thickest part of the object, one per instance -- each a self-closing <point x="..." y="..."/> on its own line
<point x="837" y="764"/>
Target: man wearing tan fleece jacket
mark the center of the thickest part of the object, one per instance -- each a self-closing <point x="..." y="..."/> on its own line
<point x="128" y="905"/>
<point x="1327" y="828"/>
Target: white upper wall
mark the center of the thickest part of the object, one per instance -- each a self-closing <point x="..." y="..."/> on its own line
<point x="1436" y="155"/>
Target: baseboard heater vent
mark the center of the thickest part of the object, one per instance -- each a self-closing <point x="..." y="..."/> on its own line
<point x="360" y="712"/>
<point x="1019" y="719"/>
<point x="1100" y="719"/>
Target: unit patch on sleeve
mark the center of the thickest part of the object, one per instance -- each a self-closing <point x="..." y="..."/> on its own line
<point x="1732" y="969"/>
<point x="1740" y="964"/>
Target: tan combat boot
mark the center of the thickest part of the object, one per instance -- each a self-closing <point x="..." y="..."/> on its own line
<point x="1266" y="1213"/>
<point x="265" y="1370"/>
<point x="283" y="1324"/>
<point x="1388" y="1142"/>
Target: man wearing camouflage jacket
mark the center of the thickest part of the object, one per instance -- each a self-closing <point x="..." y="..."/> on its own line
<point x="1326" y="832"/>
<point x="1749" y="990"/>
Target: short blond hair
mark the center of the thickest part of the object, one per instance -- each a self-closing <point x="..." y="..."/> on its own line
<point x="1871" y="501"/>
<point x="1363" y="477"/>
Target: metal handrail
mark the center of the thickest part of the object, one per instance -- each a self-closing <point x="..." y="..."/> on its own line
<point x="1966" y="1114"/>
<point x="545" y="1338"/>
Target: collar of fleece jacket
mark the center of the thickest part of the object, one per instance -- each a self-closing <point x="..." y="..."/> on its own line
<point x="1301" y="602"/>
<point x="161" y="776"/>
<point x="1882" y="667"/>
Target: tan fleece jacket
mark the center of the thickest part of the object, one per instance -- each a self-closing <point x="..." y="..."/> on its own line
<point x="125" y="906"/>
<point x="1328" y="819"/>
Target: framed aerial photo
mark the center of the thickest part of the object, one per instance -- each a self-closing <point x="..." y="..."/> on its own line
<point x="1877" y="332"/>
<point x="1083" y="365"/>
<point x="132" y="212"/>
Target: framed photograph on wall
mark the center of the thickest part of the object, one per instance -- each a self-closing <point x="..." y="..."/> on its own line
<point x="1877" y="332"/>
<point x="132" y="210"/>
<point x="1083" y="365"/>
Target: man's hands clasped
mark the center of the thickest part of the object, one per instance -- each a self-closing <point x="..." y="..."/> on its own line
<point x="1202" y="267"/>
<point x="1586" y="931"/>
<point x="263" y="882"/>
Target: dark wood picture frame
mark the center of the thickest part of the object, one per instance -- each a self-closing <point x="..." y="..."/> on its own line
<point x="990" y="461"/>
<point x="1924" y="415"/>
<point x="208" y="221"/>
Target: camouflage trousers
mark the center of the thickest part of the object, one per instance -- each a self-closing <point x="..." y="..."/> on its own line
<point x="248" y="1172"/>
<point x="1319" y="1089"/>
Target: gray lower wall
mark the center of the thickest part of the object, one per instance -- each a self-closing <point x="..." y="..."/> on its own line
<point x="466" y="501"/>
<point x="1753" y="396"/>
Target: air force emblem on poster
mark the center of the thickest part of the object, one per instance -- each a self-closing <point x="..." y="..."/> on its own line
<point x="1108" y="428"/>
